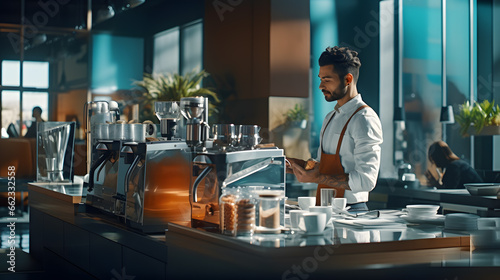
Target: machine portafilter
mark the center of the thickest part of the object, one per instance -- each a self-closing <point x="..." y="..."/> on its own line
<point x="168" y="112"/>
<point x="195" y="110"/>
<point x="97" y="113"/>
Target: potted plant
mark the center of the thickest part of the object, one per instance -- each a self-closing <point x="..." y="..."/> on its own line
<point x="479" y="118"/>
<point x="297" y="116"/>
<point x="172" y="87"/>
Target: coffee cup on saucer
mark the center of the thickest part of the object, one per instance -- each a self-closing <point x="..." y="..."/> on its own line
<point x="306" y="201"/>
<point x="339" y="204"/>
<point x="322" y="209"/>
<point x="295" y="217"/>
<point x="313" y="223"/>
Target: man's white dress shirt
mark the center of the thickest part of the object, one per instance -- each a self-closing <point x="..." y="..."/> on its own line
<point x="360" y="149"/>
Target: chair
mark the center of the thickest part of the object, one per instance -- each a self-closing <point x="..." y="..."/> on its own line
<point x="12" y="131"/>
<point x="17" y="153"/>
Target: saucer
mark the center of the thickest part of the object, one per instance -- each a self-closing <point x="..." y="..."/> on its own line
<point x="436" y="219"/>
<point x="259" y="229"/>
<point x="305" y="233"/>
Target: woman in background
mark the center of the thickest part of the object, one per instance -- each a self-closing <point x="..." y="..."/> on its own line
<point x="455" y="172"/>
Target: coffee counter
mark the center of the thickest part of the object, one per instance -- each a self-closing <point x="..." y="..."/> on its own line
<point x="341" y="250"/>
<point x="70" y="240"/>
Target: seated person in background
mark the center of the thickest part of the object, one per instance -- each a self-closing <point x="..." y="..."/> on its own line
<point x="37" y="114"/>
<point x="456" y="172"/>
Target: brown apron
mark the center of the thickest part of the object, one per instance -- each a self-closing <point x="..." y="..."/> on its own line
<point x="330" y="163"/>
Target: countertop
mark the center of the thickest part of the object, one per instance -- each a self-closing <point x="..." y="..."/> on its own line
<point x="352" y="248"/>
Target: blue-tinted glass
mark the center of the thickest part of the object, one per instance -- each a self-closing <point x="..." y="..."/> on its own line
<point x="421" y="79"/>
<point x="116" y="62"/>
<point x="457" y="70"/>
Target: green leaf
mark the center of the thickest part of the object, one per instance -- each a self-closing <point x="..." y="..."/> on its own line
<point x="173" y="87"/>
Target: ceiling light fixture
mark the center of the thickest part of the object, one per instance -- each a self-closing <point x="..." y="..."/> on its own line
<point x="104" y="13"/>
<point x="134" y="3"/>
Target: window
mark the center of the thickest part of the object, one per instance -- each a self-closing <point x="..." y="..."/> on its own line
<point x="19" y="96"/>
<point x="179" y="49"/>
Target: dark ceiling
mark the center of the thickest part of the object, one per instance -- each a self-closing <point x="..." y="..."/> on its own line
<point x="143" y="20"/>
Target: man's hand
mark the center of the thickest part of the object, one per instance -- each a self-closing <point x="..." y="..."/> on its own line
<point x="306" y="176"/>
<point x="289" y="161"/>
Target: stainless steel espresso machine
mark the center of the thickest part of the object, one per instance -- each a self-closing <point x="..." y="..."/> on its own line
<point x="229" y="160"/>
<point x="215" y="170"/>
<point x="142" y="179"/>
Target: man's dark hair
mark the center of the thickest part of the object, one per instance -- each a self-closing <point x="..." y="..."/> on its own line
<point x="37" y="108"/>
<point x="343" y="59"/>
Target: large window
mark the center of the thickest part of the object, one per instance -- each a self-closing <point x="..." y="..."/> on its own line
<point x="432" y="48"/>
<point x="179" y="49"/>
<point x="20" y="91"/>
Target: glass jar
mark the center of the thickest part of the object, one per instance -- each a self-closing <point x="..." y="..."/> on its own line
<point x="269" y="210"/>
<point x="227" y="204"/>
<point x="245" y="214"/>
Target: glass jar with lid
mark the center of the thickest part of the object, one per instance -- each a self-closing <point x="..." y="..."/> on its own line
<point x="269" y="209"/>
<point x="227" y="203"/>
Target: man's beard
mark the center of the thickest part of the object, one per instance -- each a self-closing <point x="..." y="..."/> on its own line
<point x="337" y="94"/>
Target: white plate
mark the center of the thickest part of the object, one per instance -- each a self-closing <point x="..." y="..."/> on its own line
<point x="259" y="229"/>
<point x="305" y="233"/>
<point x="437" y="219"/>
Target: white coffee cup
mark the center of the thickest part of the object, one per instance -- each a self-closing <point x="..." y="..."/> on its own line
<point x="488" y="223"/>
<point x="313" y="222"/>
<point x="322" y="209"/>
<point x="339" y="204"/>
<point x="295" y="217"/>
<point x="486" y="238"/>
<point x="306" y="201"/>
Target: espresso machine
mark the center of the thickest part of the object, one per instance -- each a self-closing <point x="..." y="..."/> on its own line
<point x="233" y="161"/>
<point x="142" y="180"/>
<point x="213" y="171"/>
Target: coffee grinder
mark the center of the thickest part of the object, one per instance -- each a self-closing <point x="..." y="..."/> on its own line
<point x="195" y="111"/>
<point x="168" y="112"/>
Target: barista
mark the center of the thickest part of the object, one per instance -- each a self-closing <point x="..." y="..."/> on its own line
<point x="348" y="157"/>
